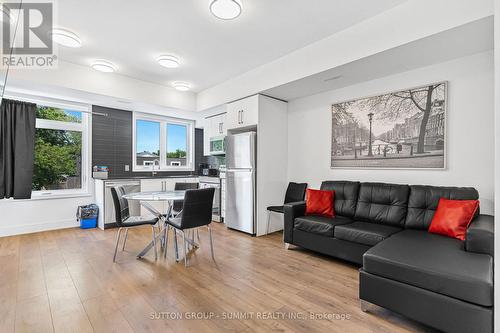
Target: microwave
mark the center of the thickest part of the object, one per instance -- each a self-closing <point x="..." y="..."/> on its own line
<point x="218" y="145"/>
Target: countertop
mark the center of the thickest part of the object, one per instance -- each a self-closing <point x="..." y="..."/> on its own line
<point x="155" y="177"/>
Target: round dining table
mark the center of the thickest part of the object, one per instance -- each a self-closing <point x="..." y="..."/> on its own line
<point x="145" y="199"/>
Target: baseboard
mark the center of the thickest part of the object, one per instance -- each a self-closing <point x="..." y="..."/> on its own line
<point x="37" y="227"/>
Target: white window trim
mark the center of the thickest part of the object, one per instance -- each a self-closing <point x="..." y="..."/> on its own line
<point x="163" y="120"/>
<point x="84" y="127"/>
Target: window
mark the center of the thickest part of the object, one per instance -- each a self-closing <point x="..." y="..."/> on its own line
<point x="162" y="143"/>
<point x="176" y="144"/>
<point x="147" y="142"/>
<point x="60" y="150"/>
<point x="61" y="161"/>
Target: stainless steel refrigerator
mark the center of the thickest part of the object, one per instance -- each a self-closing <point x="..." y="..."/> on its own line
<point x="241" y="182"/>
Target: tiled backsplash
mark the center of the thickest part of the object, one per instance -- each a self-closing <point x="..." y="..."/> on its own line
<point x="112" y="145"/>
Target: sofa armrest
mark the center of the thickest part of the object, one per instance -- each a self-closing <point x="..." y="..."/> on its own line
<point x="292" y="210"/>
<point x="480" y="235"/>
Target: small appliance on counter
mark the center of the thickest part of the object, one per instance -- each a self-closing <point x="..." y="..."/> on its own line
<point x="206" y="170"/>
<point x="100" y="172"/>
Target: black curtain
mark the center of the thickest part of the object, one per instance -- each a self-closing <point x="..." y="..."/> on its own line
<point x="17" y="148"/>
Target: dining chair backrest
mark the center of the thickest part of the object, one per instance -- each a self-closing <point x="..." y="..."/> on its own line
<point x="295" y="192"/>
<point x="177" y="206"/>
<point x="197" y="208"/>
<point x="121" y="204"/>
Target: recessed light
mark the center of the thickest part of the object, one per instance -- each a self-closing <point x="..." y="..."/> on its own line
<point x="168" y="61"/>
<point x="181" y="86"/>
<point x="104" y="66"/>
<point x="226" y="9"/>
<point x="66" y="38"/>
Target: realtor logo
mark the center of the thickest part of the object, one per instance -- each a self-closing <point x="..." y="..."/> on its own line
<point x="26" y="35"/>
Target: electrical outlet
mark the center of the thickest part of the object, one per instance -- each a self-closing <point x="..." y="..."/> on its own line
<point x="127" y="167"/>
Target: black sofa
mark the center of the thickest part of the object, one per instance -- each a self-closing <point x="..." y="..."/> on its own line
<point x="440" y="281"/>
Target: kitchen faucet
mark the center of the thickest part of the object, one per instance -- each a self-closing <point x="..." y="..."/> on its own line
<point x="155" y="162"/>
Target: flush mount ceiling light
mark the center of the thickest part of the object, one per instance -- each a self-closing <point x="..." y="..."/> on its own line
<point x="226" y="9"/>
<point x="168" y="61"/>
<point x="104" y="66"/>
<point x="66" y="38"/>
<point x="181" y="86"/>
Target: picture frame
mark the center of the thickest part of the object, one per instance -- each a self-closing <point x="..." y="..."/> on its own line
<point x="393" y="121"/>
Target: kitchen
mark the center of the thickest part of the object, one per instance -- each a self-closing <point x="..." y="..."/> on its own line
<point x="231" y="136"/>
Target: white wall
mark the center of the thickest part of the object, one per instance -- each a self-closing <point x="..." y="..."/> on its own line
<point x="470" y="147"/>
<point x="25" y="216"/>
<point x="410" y="21"/>
<point x="82" y="78"/>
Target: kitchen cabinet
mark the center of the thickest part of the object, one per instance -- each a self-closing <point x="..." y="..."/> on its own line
<point x="243" y="113"/>
<point x="214" y="126"/>
<point x="218" y="125"/>
<point x="161" y="184"/>
<point x="268" y="117"/>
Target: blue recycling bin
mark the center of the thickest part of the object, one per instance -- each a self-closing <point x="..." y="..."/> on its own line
<point x="87" y="215"/>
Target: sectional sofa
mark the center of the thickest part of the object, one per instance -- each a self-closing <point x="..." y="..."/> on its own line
<point x="440" y="281"/>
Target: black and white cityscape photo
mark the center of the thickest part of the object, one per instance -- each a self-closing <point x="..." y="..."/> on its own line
<point x="403" y="129"/>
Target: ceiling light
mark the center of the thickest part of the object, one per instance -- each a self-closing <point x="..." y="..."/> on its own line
<point x="226" y="9"/>
<point x="181" y="86"/>
<point x="168" y="61"/>
<point x="104" y="66"/>
<point x="66" y="38"/>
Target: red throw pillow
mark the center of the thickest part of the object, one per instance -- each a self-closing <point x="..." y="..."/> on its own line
<point x="452" y="217"/>
<point x="320" y="202"/>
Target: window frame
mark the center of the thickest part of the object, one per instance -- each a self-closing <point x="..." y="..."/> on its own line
<point x="83" y="127"/>
<point x="163" y="121"/>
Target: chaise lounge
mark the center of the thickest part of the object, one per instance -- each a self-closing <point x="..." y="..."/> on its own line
<point x="440" y="281"/>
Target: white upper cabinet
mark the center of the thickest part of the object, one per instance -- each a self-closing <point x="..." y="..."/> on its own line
<point x="218" y="125"/>
<point x="243" y="113"/>
<point x="214" y="127"/>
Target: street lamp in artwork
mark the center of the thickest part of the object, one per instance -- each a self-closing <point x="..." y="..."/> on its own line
<point x="370" y="118"/>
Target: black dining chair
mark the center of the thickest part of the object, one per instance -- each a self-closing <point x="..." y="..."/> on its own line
<point x="177" y="205"/>
<point x="294" y="192"/>
<point x="125" y="221"/>
<point x="196" y="212"/>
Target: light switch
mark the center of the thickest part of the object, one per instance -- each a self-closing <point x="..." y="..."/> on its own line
<point x="127" y="167"/>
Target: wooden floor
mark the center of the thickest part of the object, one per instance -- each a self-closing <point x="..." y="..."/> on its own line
<point x="65" y="281"/>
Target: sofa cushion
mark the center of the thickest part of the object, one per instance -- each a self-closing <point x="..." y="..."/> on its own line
<point x="319" y="202"/>
<point x="435" y="263"/>
<point x="364" y="232"/>
<point x="452" y="217"/>
<point x="320" y="225"/>
<point x="382" y="203"/>
<point x="424" y="200"/>
<point x="346" y="196"/>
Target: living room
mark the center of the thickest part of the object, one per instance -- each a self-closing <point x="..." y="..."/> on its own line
<point x="214" y="166"/>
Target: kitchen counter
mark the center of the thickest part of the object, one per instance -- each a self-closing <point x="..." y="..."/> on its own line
<point x="150" y="177"/>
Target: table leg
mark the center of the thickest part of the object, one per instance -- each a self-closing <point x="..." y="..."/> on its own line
<point x="176" y="245"/>
<point x="160" y="235"/>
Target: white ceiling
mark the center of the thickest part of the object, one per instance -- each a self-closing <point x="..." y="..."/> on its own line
<point x="133" y="33"/>
<point x="462" y="41"/>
